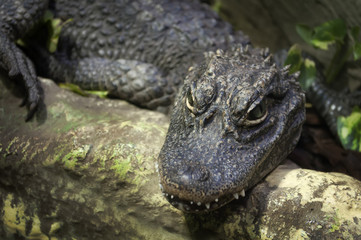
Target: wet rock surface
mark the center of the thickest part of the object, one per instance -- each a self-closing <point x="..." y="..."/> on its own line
<point x="85" y="169"/>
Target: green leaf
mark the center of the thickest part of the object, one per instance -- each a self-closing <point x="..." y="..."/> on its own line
<point x="48" y="16"/>
<point x="349" y="130"/>
<point x="216" y="6"/>
<point x="294" y="58"/>
<point x="308" y="74"/>
<point x="101" y="94"/>
<point x="355" y="33"/>
<point x="357" y="51"/>
<point x="74" y="88"/>
<point x="305" y="32"/>
<point x="334" y="30"/>
<point x="325" y="34"/>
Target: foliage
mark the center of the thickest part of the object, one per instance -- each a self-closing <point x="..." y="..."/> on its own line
<point x="346" y="40"/>
<point x="349" y="130"/>
<point x="54" y="26"/>
<point x="347" y="44"/>
<point x="306" y="66"/>
<point x="85" y="93"/>
<point x="216" y="6"/>
<point x="323" y="35"/>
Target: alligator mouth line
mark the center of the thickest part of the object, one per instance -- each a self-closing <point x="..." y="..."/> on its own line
<point x="196" y="206"/>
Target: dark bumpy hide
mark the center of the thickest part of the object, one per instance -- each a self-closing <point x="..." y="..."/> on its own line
<point x="138" y="50"/>
<point x="236" y="117"/>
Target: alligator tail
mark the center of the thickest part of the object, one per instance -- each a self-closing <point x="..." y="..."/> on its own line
<point x="332" y="104"/>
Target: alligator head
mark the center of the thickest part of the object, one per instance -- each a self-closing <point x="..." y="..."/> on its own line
<point x="235" y="119"/>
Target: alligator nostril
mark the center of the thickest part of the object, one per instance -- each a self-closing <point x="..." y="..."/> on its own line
<point x="194" y="173"/>
<point x="200" y="174"/>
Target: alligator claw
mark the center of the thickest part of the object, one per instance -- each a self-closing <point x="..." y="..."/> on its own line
<point x="21" y="70"/>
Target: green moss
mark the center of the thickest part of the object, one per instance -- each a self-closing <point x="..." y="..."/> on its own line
<point x="59" y="152"/>
<point x="126" y="162"/>
<point x="71" y="159"/>
<point x="75" y="118"/>
<point x="333" y="222"/>
<point x="27" y="144"/>
<point x="336" y="223"/>
<point x="12" y="142"/>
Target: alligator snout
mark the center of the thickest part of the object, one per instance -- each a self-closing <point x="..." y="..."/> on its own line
<point x="194" y="178"/>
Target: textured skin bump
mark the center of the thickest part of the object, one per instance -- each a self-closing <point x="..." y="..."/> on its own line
<point x="126" y="39"/>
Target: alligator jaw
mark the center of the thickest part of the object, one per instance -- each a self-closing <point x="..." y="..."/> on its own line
<point x="196" y="206"/>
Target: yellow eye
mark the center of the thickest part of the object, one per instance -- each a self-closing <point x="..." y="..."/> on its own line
<point x="257" y="115"/>
<point x="190" y="102"/>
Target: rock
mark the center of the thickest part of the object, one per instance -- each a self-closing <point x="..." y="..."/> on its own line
<point x="84" y="169"/>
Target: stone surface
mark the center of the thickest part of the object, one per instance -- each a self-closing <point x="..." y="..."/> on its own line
<point x="85" y="170"/>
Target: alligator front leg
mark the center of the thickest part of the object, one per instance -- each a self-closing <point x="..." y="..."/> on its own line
<point x="21" y="70"/>
<point x="16" y="19"/>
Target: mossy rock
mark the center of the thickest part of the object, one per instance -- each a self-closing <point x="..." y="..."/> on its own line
<point x="84" y="168"/>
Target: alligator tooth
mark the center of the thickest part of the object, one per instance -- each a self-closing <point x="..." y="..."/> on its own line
<point x="191" y="202"/>
<point x="199" y="203"/>
<point x="161" y="187"/>
<point x="236" y="196"/>
<point x="171" y="196"/>
<point x="243" y="193"/>
<point x="208" y="205"/>
<point x="166" y="194"/>
<point x="216" y="200"/>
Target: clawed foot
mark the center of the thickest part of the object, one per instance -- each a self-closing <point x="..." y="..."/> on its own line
<point x="21" y="70"/>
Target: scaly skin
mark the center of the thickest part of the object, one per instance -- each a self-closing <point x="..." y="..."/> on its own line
<point x="236" y="117"/>
<point x="331" y="104"/>
<point x="140" y="50"/>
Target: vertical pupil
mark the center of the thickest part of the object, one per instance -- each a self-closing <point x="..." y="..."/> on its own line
<point x="257" y="112"/>
<point x="190" y="99"/>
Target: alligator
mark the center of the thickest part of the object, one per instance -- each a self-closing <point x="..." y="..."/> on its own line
<point x="235" y="114"/>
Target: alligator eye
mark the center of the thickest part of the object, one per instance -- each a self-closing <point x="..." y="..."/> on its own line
<point x="257" y="115"/>
<point x="190" y="102"/>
